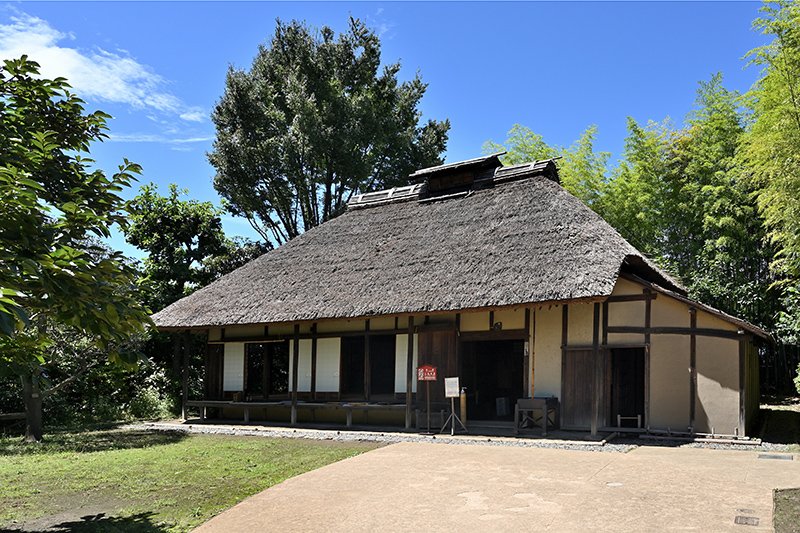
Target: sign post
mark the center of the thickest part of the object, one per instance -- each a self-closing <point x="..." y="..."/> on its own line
<point x="427" y="373"/>
<point x="451" y="390"/>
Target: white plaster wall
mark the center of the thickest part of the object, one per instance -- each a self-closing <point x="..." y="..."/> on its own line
<point x="328" y="353"/>
<point x="475" y="321"/>
<point x="511" y="318"/>
<point x="400" y="358"/>
<point x="303" y="366"/>
<point x="243" y="332"/>
<point x="233" y="367"/>
<point x="377" y="323"/>
<point x="581" y="320"/>
<point x="669" y="382"/>
<point x="335" y="326"/>
<point x="717" y="385"/>
<point x="547" y="352"/>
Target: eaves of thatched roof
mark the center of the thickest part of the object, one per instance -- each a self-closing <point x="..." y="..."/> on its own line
<point x="520" y="239"/>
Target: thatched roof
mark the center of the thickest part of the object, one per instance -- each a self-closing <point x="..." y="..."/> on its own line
<point x="515" y="237"/>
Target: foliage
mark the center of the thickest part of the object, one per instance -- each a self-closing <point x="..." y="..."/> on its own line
<point x="772" y="147"/>
<point x="54" y="277"/>
<point x="313" y="122"/>
<point x="679" y="196"/>
<point x="178" y="236"/>
<point x="124" y="471"/>
<point x="582" y="170"/>
<point x="51" y="204"/>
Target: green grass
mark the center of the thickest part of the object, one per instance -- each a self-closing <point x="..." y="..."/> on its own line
<point x="787" y="511"/>
<point x="123" y="480"/>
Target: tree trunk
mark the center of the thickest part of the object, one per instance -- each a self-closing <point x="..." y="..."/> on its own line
<point x="32" y="396"/>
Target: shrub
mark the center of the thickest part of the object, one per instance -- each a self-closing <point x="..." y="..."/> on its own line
<point x="149" y="404"/>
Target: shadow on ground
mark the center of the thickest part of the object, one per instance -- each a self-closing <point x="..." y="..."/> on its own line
<point x="138" y="523"/>
<point x="781" y="426"/>
<point x="92" y="441"/>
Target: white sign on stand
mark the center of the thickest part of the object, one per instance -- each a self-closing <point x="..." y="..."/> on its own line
<point x="451" y="388"/>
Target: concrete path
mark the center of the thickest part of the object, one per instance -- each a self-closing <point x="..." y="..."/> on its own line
<point x="435" y="487"/>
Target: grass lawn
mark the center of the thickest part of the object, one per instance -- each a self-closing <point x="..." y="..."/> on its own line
<point x="787" y="511"/>
<point x="123" y="480"/>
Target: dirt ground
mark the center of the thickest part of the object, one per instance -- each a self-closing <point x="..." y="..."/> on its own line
<point x="435" y="487"/>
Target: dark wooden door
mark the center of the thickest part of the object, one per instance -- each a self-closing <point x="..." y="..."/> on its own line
<point x="213" y="373"/>
<point x="577" y="386"/>
<point x="627" y="384"/>
<point x="437" y="348"/>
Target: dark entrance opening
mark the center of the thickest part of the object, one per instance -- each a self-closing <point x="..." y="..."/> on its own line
<point x="381" y="366"/>
<point x="352" y="367"/>
<point x="493" y="373"/>
<point x="627" y="386"/>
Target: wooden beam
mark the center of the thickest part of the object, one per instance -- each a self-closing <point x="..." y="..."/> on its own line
<point x="692" y="367"/>
<point x="663" y="330"/>
<point x="295" y="370"/>
<point x="604" y="337"/>
<point x="314" y="361"/>
<point x="503" y="334"/>
<point x="409" y="370"/>
<point x="491" y="319"/>
<point x="597" y="389"/>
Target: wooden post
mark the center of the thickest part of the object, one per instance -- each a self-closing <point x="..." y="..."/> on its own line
<point x="742" y="384"/>
<point x="314" y="361"/>
<point x="692" y="368"/>
<point x="597" y="389"/>
<point x="367" y="368"/>
<point x="647" y="319"/>
<point x="409" y="370"/>
<point x="295" y="369"/>
<point x="187" y="340"/>
<point x="529" y="358"/>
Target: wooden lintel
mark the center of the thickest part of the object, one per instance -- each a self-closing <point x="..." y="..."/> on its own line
<point x="502" y="334"/>
<point x="662" y="330"/>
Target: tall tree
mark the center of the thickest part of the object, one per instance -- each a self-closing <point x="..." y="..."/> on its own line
<point x="185" y="244"/>
<point x="313" y="122"/>
<point x="771" y="148"/>
<point x="581" y="168"/>
<point x="52" y="275"/>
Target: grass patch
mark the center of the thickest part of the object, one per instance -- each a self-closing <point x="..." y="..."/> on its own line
<point x="787" y="511"/>
<point x="124" y="480"/>
<point x="782" y="422"/>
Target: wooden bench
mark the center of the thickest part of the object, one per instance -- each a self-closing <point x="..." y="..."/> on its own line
<point x="12" y="416"/>
<point x="347" y="407"/>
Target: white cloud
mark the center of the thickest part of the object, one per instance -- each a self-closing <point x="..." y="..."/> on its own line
<point x="96" y="74"/>
<point x="154" y="138"/>
<point x="194" y="115"/>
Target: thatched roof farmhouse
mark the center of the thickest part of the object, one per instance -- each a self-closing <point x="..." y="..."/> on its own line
<point x="498" y="276"/>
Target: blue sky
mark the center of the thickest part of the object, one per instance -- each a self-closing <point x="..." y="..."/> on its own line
<point x="557" y="68"/>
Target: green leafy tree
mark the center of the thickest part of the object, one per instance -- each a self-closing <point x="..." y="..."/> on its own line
<point x="314" y="121"/>
<point x="180" y="236"/>
<point x="52" y="275"/>
<point x="582" y="170"/>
